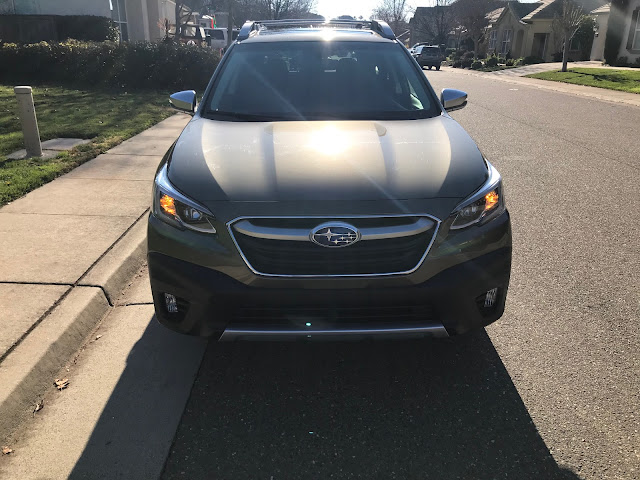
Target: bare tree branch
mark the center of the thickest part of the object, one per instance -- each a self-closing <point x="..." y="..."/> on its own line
<point x="568" y="23"/>
<point x="394" y="12"/>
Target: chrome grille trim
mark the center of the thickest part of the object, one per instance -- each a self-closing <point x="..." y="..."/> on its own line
<point x="325" y="218"/>
<point x="302" y="234"/>
<point x="232" y="334"/>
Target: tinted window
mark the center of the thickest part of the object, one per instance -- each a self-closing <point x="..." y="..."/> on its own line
<point x="434" y="51"/>
<point x="217" y="34"/>
<point x="320" y="80"/>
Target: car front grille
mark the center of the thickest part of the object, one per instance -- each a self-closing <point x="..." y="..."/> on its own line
<point x="380" y="256"/>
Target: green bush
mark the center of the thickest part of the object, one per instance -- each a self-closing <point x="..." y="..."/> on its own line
<point x="476" y="65"/>
<point x="510" y="62"/>
<point x="466" y="62"/>
<point x="449" y="51"/>
<point x="457" y="64"/>
<point x="518" y="62"/>
<point x="532" y="59"/>
<point x="166" y="66"/>
<point x="492" y="61"/>
<point x="468" y="55"/>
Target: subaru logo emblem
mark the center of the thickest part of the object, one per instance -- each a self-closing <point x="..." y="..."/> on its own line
<point x="335" y="235"/>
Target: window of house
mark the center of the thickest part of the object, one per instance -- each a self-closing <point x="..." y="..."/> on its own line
<point x="635" y="45"/>
<point x="493" y="39"/>
<point x="119" y="17"/>
<point x="506" y="41"/>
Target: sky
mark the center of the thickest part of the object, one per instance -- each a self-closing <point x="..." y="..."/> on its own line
<point x="333" y="8"/>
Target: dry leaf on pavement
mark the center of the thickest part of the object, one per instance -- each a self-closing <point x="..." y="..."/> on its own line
<point x="61" y="383"/>
<point x="6" y="450"/>
<point x="39" y="406"/>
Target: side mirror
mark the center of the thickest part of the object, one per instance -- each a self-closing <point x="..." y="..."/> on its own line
<point x="452" y="99"/>
<point x="185" y="100"/>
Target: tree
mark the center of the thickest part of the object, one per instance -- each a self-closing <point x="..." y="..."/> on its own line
<point x="568" y="23"/>
<point x="272" y="9"/>
<point x="472" y="15"/>
<point x="435" y="23"/>
<point x="394" y="12"/>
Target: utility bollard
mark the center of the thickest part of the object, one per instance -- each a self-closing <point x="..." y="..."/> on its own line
<point x="27" y="113"/>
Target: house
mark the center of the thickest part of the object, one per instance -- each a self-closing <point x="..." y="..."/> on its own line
<point x="601" y="18"/>
<point x="507" y="33"/>
<point x="624" y="29"/>
<point x="137" y="20"/>
<point x="433" y="25"/>
<point x="526" y="29"/>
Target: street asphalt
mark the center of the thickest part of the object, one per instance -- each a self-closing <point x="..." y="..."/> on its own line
<point x="551" y="391"/>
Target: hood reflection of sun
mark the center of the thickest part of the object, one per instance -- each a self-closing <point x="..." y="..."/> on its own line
<point x="329" y="141"/>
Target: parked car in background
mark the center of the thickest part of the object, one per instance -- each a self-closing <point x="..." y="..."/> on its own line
<point x="428" y="56"/>
<point x="193" y="34"/>
<point x="217" y="37"/>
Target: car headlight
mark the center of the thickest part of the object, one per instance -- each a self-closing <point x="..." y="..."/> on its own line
<point x="483" y="205"/>
<point x="178" y="210"/>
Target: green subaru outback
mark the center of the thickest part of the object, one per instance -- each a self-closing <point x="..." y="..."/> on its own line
<point x="322" y="191"/>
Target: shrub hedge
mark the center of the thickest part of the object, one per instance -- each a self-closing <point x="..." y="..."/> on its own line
<point x="158" y="66"/>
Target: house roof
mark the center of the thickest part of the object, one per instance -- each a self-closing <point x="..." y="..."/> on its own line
<point x="523" y="9"/>
<point x="493" y="15"/>
<point x="603" y="9"/>
<point x="551" y="8"/>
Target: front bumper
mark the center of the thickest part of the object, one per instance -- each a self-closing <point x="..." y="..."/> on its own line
<point x="211" y="302"/>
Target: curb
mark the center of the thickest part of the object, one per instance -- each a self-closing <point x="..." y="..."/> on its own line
<point x="31" y="368"/>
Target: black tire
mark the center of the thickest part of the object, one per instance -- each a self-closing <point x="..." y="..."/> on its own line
<point x="429" y="67"/>
<point x="437" y="67"/>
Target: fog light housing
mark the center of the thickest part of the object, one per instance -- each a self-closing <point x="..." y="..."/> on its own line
<point x="171" y="303"/>
<point x="490" y="298"/>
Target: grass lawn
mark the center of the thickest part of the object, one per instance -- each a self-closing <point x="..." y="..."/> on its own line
<point x="107" y="118"/>
<point x="623" y="80"/>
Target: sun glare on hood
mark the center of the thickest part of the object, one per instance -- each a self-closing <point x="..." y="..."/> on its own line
<point x="329" y="141"/>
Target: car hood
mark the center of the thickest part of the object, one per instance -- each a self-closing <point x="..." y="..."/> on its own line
<point x="326" y="160"/>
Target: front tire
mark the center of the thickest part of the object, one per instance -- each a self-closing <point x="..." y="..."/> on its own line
<point x="429" y="67"/>
<point x="438" y="67"/>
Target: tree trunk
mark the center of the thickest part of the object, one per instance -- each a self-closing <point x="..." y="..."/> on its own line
<point x="565" y="51"/>
<point x="176" y="35"/>
<point x="230" y="24"/>
<point x="475" y="47"/>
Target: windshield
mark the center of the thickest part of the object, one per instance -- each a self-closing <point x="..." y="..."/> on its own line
<point x="318" y="81"/>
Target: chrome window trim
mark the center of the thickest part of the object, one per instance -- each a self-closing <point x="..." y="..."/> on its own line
<point x="329" y="218"/>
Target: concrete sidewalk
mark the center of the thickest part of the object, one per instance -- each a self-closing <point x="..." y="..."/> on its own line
<point x="68" y="248"/>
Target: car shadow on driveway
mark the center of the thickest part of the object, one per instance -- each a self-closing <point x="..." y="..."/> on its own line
<point x="435" y="409"/>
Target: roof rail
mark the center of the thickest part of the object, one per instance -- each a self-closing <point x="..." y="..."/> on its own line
<point x="251" y="28"/>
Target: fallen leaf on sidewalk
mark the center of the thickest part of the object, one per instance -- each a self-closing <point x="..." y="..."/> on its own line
<point x="61" y="383"/>
<point x="98" y="337"/>
<point x="6" y="450"/>
<point x="39" y="406"/>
